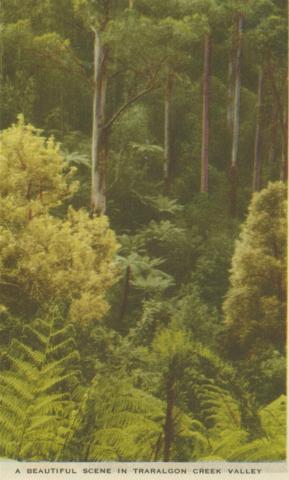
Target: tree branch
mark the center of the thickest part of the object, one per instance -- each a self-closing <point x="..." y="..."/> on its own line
<point x="126" y="105"/>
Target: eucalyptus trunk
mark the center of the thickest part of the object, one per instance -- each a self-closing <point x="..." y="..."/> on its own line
<point x="230" y="103"/>
<point x="169" y="422"/>
<point x="282" y="117"/>
<point x="206" y="125"/>
<point x="257" y="156"/>
<point x="99" y="134"/>
<point x="273" y="138"/>
<point x="284" y="166"/>
<point x="167" y="133"/>
<point x="236" y="118"/>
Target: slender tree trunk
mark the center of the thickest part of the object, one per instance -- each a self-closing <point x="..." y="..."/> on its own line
<point x="236" y="119"/>
<point x="99" y="135"/>
<point x="283" y="122"/>
<point x="95" y="126"/>
<point x="284" y="166"/>
<point x="167" y="132"/>
<point x="169" y="422"/>
<point x="62" y="123"/>
<point x="257" y="157"/>
<point x="273" y="138"/>
<point x="230" y="92"/>
<point x="157" y="448"/>
<point x="125" y="293"/>
<point x="130" y="3"/>
<point x="205" y="128"/>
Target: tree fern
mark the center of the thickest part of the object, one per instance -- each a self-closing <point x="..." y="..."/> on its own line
<point x="229" y="441"/>
<point x="272" y="446"/>
<point x="128" y="423"/>
<point x="36" y="406"/>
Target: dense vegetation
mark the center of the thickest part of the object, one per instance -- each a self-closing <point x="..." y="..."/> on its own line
<point x="143" y="230"/>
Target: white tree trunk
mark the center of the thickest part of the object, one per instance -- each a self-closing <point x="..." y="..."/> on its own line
<point x="230" y="92"/>
<point x="98" y="149"/>
<point x="236" y="119"/>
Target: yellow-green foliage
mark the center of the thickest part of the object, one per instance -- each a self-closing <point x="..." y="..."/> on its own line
<point x="171" y="343"/>
<point x="37" y="412"/>
<point x="34" y="176"/>
<point x="44" y="258"/>
<point x="229" y="441"/>
<point x="255" y="307"/>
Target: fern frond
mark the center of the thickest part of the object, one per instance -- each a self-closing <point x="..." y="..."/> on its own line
<point x="18" y="385"/>
<point x="42" y="338"/>
<point x="260" y="450"/>
<point x="35" y="417"/>
<point x="48" y="404"/>
<point x="35" y="356"/>
<point x="12" y="404"/>
<point x="54" y="366"/>
<point x="66" y="345"/>
<point x="100" y="453"/>
<point x="27" y="370"/>
<point x="49" y="383"/>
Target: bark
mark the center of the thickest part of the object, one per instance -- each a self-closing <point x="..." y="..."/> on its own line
<point x="230" y="92"/>
<point x="100" y="127"/>
<point x="169" y="422"/>
<point x="257" y="157"/>
<point x="236" y="119"/>
<point x="282" y="120"/>
<point x="284" y="166"/>
<point x="205" y="127"/>
<point x="130" y="3"/>
<point x="125" y="293"/>
<point x="167" y="132"/>
<point x="273" y="138"/>
<point x="157" y="448"/>
<point x="99" y="135"/>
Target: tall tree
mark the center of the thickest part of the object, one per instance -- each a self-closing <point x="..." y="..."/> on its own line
<point x="230" y="100"/>
<point x="62" y="260"/>
<point x="257" y="154"/>
<point x="205" y="121"/>
<point x="167" y="131"/>
<point x="266" y="32"/>
<point x="107" y="21"/>
<point x="171" y="347"/>
<point x="236" y="116"/>
<point x="255" y="307"/>
<point x="99" y="147"/>
<point x="207" y="13"/>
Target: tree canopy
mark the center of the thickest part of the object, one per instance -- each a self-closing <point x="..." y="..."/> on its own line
<point x="143" y="172"/>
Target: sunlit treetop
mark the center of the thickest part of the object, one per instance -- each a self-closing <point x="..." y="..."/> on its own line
<point x="43" y="258"/>
<point x="34" y="175"/>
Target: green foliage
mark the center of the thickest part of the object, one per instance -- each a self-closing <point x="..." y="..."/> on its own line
<point x="32" y="172"/>
<point x="151" y="381"/>
<point x="128" y="423"/>
<point x="229" y="441"/>
<point x="44" y="257"/>
<point x="36" y="407"/>
<point x="255" y="304"/>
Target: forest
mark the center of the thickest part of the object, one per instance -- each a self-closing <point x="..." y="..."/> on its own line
<point x="143" y="207"/>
